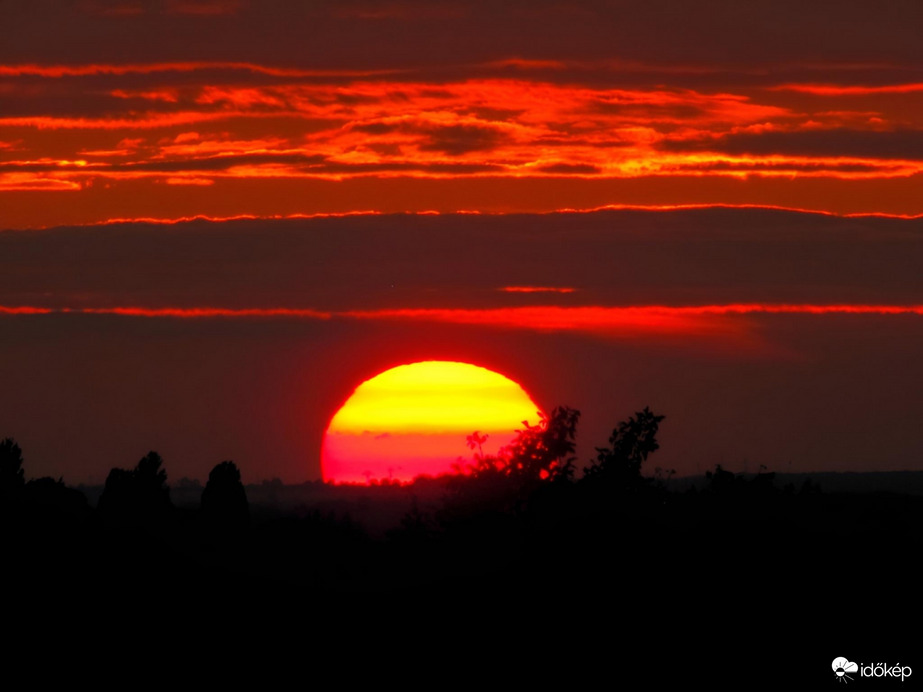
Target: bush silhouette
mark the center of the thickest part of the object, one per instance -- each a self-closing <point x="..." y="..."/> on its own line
<point x="224" y="500"/>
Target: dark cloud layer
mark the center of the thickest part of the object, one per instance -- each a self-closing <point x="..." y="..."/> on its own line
<point x="354" y="263"/>
<point x="323" y="34"/>
<point x="896" y="144"/>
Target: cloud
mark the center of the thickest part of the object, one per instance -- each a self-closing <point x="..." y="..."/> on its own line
<point x="694" y="257"/>
<point x="538" y="289"/>
<point x="457" y="140"/>
<point x="851" y="90"/>
<point x="573" y="121"/>
<point x="189" y="181"/>
<point x="873" y="144"/>
<point x="189" y="164"/>
<point x="569" y="168"/>
<point x="203" y="8"/>
<point x="149" y="68"/>
<point x="393" y="10"/>
<point x="453" y="139"/>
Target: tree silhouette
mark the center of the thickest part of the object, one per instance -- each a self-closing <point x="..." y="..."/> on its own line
<point x="140" y="495"/>
<point x="619" y="465"/>
<point x="50" y="502"/>
<point x="11" y="473"/>
<point x="224" y="500"/>
<point x="485" y="496"/>
<point x="726" y="484"/>
<point x="151" y="476"/>
<point x="721" y="481"/>
<point x="538" y="452"/>
<point x="543" y="451"/>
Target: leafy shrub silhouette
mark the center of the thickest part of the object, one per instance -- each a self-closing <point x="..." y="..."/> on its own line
<point x="538" y="452"/>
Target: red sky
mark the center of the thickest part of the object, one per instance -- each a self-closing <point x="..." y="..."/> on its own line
<point x="314" y="135"/>
<point x="175" y="109"/>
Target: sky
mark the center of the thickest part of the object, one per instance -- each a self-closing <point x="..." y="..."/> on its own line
<point x="219" y="217"/>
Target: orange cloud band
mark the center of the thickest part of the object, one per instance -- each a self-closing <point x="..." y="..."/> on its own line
<point x="200" y="126"/>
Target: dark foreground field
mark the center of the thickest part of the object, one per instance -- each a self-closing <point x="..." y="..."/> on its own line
<point x="738" y="564"/>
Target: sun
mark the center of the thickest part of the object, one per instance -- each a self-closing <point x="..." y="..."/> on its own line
<point x="414" y="420"/>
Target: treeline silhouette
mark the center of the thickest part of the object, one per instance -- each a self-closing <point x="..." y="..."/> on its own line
<point x="530" y="520"/>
